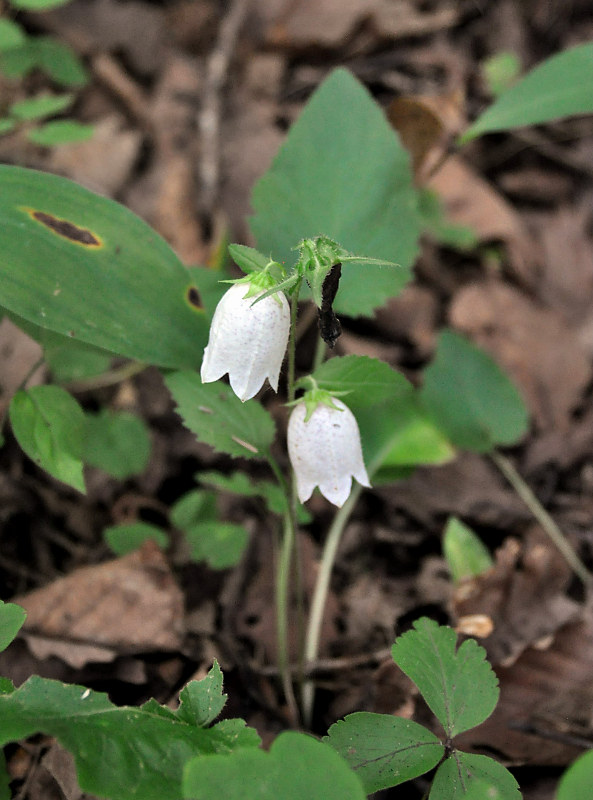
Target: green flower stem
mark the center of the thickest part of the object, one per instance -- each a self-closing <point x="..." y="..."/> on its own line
<point x="109" y="378"/>
<point x="542" y="516"/>
<point x="319" y="598"/>
<point x="320" y="352"/>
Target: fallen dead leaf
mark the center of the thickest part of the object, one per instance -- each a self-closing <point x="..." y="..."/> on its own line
<point x="130" y="604"/>
<point x="532" y="343"/>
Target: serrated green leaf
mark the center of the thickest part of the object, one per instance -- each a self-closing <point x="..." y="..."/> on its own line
<point x="464" y="551"/>
<point x="384" y="750"/>
<point x="117" y="442"/>
<point x="220" y="544"/>
<point x="113" y="282"/>
<point x="127" y="537"/>
<point x="296" y="767"/>
<point x="49" y="425"/>
<point x="343" y="173"/>
<point x="60" y="131"/>
<point x="241" y="484"/>
<point x="368" y="380"/>
<point x="11" y="34"/>
<point x="202" y="701"/>
<point x="124" y="753"/>
<point x="576" y="782"/>
<point x="470" y="398"/>
<point x="248" y="258"/>
<point x="459" y="686"/>
<point x="44" y="105"/>
<point x="12" y="618"/>
<point x="558" y="87"/>
<point x="236" y="733"/>
<point x="217" y="417"/>
<point x="192" y="507"/>
<point x="456" y="775"/>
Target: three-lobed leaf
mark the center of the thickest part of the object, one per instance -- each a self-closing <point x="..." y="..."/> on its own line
<point x="384" y="750"/>
<point x="470" y="398"/>
<point x="458" y="685"/>
<point x="558" y="87"/>
<point x="463" y="775"/>
<point x="217" y="417"/>
<point x="49" y="425"/>
<point x="296" y="767"/>
<point x="342" y="172"/>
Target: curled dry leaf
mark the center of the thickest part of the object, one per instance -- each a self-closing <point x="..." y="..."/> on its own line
<point x="131" y="604"/>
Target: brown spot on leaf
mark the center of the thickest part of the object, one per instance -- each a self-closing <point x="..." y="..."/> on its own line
<point x="68" y="230"/>
<point x="194" y="299"/>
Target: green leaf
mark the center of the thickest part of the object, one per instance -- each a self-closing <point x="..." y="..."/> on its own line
<point x="71" y="361"/>
<point x="342" y="172"/>
<point x="87" y="268"/>
<point x="456" y="775"/>
<point x="48" y="424"/>
<point x="296" y="767"/>
<point x="241" y="484"/>
<point x="558" y="87"/>
<point x="192" y="507"/>
<point x="127" y="537"/>
<point x="61" y="131"/>
<point x="384" y="750"/>
<point x="465" y="552"/>
<point x="16" y="62"/>
<point x="38" y="5"/>
<point x="117" y="442"/>
<point x="12" y="618"/>
<point x="576" y="782"/>
<point x="6" y="125"/>
<point x="202" y="701"/>
<point x="500" y="71"/>
<point x="470" y="398"/>
<point x="124" y="753"/>
<point x="59" y="61"/>
<point x="220" y="544"/>
<point x="217" y="417"/>
<point x="237" y="734"/>
<point x="368" y="380"/>
<point x="460" y="686"/>
<point x="435" y="222"/>
<point x="247" y="258"/>
<point x="44" y="105"/>
<point x="11" y="35"/>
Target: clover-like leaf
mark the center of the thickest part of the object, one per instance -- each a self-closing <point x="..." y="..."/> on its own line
<point x="460" y="776"/>
<point x="458" y="685"/>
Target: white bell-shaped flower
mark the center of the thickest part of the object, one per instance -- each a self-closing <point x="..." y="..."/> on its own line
<point x="247" y="341"/>
<point x="325" y="451"/>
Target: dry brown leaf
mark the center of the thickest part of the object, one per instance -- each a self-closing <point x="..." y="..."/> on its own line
<point x="471" y="201"/>
<point x="402" y="19"/>
<point x="130" y="604"/>
<point x="533" y="344"/>
<point x="331" y="24"/>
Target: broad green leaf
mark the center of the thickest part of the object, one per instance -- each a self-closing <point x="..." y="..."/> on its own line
<point x="12" y="618"/>
<point x="69" y="360"/>
<point x="465" y="552"/>
<point x="113" y="282"/>
<point x="44" y="105"/>
<point x="120" y="753"/>
<point x="384" y="750"/>
<point x="296" y="767"/>
<point x="501" y="71"/>
<point x="202" y="701"/>
<point x="460" y="772"/>
<point x="576" y="782"/>
<point x="470" y="398"/>
<point x="459" y="686"/>
<point x="192" y="507"/>
<point x="343" y="173"/>
<point x="16" y="62"/>
<point x="38" y="5"/>
<point x="220" y="544"/>
<point x="11" y="34"/>
<point x="217" y="417"/>
<point x="127" y="537"/>
<point x="399" y="433"/>
<point x="60" y="131"/>
<point x="241" y="484"/>
<point x="59" y="61"/>
<point x="49" y="425"/>
<point x="368" y="380"/>
<point x="561" y="86"/>
<point x="117" y="442"/>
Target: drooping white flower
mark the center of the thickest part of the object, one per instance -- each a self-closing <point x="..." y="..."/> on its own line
<point x="247" y="341"/>
<point x="325" y="451"/>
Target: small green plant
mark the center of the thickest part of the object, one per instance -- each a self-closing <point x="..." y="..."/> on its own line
<point x="20" y="54"/>
<point x="89" y="280"/>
